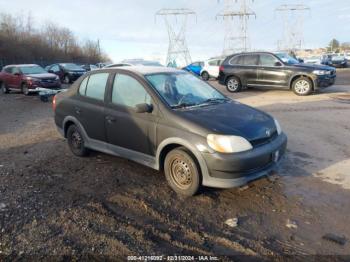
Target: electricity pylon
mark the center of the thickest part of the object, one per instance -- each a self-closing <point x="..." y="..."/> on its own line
<point x="236" y="26"/>
<point x="293" y="23"/>
<point x="176" y="22"/>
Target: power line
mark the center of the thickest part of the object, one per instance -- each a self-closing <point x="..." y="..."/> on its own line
<point x="176" y="22"/>
<point x="236" y="39"/>
<point x="293" y="25"/>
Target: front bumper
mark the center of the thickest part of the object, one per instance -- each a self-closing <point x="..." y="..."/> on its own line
<point x="325" y="81"/>
<point x="38" y="87"/>
<point x="232" y="170"/>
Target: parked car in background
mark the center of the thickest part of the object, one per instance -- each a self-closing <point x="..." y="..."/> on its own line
<point x="27" y="79"/>
<point x="169" y="120"/>
<point x="274" y="70"/>
<point x="313" y="60"/>
<point x="89" y="67"/>
<point x="134" y="62"/>
<point x="194" y="68"/>
<point x="339" y="60"/>
<point x="210" y="68"/>
<point x="347" y="56"/>
<point x="67" y="72"/>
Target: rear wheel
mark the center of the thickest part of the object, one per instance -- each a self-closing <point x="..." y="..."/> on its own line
<point x="233" y="84"/>
<point x="25" y="89"/>
<point x="182" y="172"/>
<point x="4" y="89"/>
<point x="76" y="141"/>
<point x="205" y="76"/>
<point x="302" y="86"/>
<point x="66" y="80"/>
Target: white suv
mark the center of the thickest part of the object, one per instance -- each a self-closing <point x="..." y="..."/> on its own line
<point x="211" y="68"/>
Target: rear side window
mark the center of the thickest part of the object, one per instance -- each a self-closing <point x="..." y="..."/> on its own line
<point x="8" y="70"/>
<point x="236" y="60"/>
<point x="127" y="91"/>
<point x="251" y="60"/>
<point x="96" y="86"/>
<point x="268" y="60"/>
<point x="82" y="88"/>
<point x="213" y="62"/>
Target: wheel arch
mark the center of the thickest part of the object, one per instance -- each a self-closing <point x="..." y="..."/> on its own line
<point x="234" y="75"/>
<point x="171" y="143"/>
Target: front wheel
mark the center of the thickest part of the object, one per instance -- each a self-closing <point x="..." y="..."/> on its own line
<point x="302" y="86"/>
<point x="233" y="84"/>
<point x="205" y="76"/>
<point x="76" y="141"/>
<point x="182" y="172"/>
<point x="25" y="89"/>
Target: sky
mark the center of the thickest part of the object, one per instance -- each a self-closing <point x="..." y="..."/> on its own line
<point x="128" y="29"/>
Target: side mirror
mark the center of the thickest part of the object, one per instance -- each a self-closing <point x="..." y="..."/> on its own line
<point x="278" y="64"/>
<point x="143" y="108"/>
<point x="17" y="74"/>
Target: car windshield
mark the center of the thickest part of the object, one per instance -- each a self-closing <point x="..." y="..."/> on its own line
<point x="287" y="58"/>
<point x="71" y="66"/>
<point x="32" y="70"/>
<point x="181" y="90"/>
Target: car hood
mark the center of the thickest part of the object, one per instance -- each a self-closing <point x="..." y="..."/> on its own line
<point x="338" y="59"/>
<point x="42" y="76"/>
<point x="313" y="66"/>
<point x="231" y="118"/>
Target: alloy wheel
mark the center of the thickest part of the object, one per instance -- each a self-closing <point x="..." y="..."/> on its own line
<point x="302" y="86"/>
<point x="233" y="85"/>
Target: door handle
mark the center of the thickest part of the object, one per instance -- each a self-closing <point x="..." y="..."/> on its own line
<point x="78" y="110"/>
<point x="110" y="119"/>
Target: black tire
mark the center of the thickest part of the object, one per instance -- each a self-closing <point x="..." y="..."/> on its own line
<point x="4" y="89"/>
<point x="302" y="86"/>
<point x="76" y="141"/>
<point x="25" y="89"/>
<point x="66" y="80"/>
<point x="205" y="76"/>
<point x="233" y="84"/>
<point x="182" y="172"/>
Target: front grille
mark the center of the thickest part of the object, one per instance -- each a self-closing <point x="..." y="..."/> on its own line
<point x="47" y="80"/>
<point x="264" y="140"/>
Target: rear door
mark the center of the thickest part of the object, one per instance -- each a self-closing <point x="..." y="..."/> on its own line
<point x="15" y="78"/>
<point x="213" y="67"/>
<point x="272" y="73"/>
<point x="89" y="107"/>
<point x="125" y="128"/>
<point x="7" y="76"/>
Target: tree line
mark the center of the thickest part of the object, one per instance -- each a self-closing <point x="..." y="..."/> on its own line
<point x="21" y="42"/>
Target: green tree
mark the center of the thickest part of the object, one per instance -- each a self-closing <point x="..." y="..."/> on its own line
<point x="333" y="45"/>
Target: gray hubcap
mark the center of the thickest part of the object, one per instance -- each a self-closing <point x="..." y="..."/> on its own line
<point x="233" y="84"/>
<point x="302" y="86"/>
<point x="181" y="172"/>
<point x="76" y="140"/>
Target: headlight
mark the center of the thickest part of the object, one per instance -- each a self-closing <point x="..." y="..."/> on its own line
<point x="321" y="72"/>
<point x="278" y="127"/>
<point x="228" y="144"/>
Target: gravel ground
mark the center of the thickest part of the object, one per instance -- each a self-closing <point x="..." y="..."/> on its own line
<point x="55" y="206"/>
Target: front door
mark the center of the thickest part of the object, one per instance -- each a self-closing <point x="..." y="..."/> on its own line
<point x="272" y="73"/>
<point x="127" y="129"/>
<point x="15" y="78"/>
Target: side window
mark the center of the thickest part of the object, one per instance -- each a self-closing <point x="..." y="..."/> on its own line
<point x="220" y="62"/>
<point x="8" y="70"/>
<point x="267" y="60"/>
<point x="14" y="70"/>
<point x="96" y="86"/>
<point x="251" y="60"/>
<point x="127" y="91"/>
<point x="236" y="60"/>
<point x="55" y="68"/>
<point x="213" y="63"/>
<point x="82" y="88"/>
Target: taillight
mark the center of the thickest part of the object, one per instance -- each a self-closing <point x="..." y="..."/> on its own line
<point x="54" y="103"/>
<point x="221" y="68"/>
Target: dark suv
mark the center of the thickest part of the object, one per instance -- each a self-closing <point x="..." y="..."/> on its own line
<point x="67" y="72"/>
<point x="274" y="70"/>
<point x="169" y="120"/>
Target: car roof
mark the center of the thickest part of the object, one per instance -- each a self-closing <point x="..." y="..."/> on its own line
<point x="22" y="65"/>
<point x="146" y="70"/>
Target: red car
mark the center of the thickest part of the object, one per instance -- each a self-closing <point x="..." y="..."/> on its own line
<point x="27" y="78"/>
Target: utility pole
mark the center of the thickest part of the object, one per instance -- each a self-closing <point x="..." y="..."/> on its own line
<point x="293" y="25"/>
<point x="236" y="26"/>
<point x="176" y="22"/>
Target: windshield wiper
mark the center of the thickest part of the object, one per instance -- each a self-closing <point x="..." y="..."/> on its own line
<point x="183" y="105"/>
<point x="215" y="100"/>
